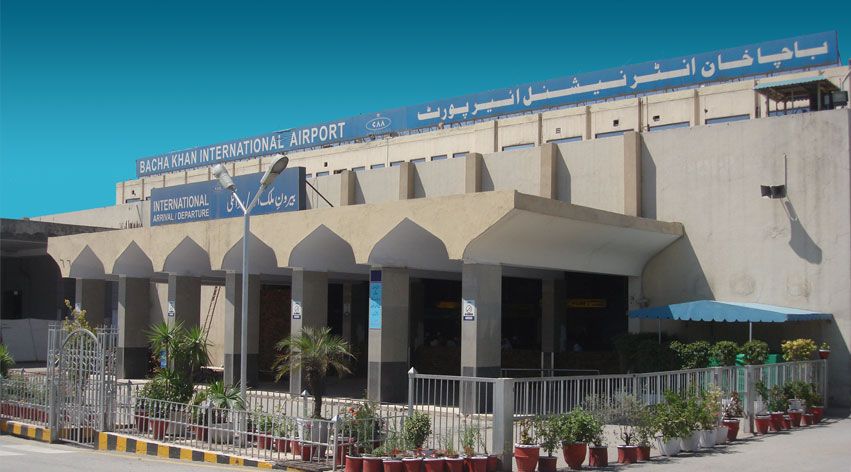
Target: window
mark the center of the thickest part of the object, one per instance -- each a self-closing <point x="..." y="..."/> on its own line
<point x="438" y="158"/>
<point x="611" y="133"/>
<point x="322" y="174"/>
<point x="395" y="163"/>
<point x="132" y="200"/>
<point x="515" y="147"/>
<point x="338" y="171"/>
<point x="376" y="166"/>
<point x="418" y="160"/>
<point x="789" y="111"/>
<point x="459" y="154"/>
<point x="682" y="124"/>
<point x="308" y="176"/>
<point x="358" y="169"/>
<point x="727" y="119"/>
<point x="565" y="140"/>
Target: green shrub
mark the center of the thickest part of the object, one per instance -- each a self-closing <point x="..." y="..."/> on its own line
<point x="798" y="349"/>
<point x="416" y="429"/>
<point x="725" y="352"/>
<point x="582" y="426"/>
<point x="755" y="351"/>
<point x="6" y="361"/>
<point x="693" y="355"/>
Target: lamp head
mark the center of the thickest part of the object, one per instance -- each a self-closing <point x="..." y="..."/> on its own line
<point x="224" y="178"/>
<point x="274" y="170"/>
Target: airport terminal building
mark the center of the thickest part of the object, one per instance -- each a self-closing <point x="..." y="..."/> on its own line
<point x="514" y="228"/>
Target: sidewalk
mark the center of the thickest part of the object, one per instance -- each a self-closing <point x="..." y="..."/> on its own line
<point x="825" y="447"/>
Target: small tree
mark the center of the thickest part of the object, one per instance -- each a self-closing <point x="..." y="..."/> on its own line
<point x="314" y="352"/>
<point x="798" y="349"/>
<point x="755" y="351"/>
<point x="6" y="361"/>
<point x="725" y="352"/>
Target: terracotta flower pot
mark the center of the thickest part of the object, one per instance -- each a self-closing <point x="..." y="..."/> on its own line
<point x="627" y="454"/>
<point x="807" y="419"/>
<point x="158" y="427"/>
<point x="281" y="445"/>
<point x="547" y="464"/>
<point x="732" y="425"/>
<point x="309" y="450"/>
<point x="526" y="457"/>
<point x="643" y="453"/>
<point x="795" y="416"/>
<point x="493" y="463"/>
<point x="787" y="422"/>
<point x="354" y="464"/>
<point x="823" y="353"/>
<point x="762" y="423"/>
<point x="140" y="419"/>
<point x="776" y="421"/>
<point x="392" y="465"/>
<point x="373" y="464"/>
<point x="598" y="456"/>
<point x="295" y="447"/>
<point x="818" y="413"/>
<point x="574" y="454"/>
<point x="412" y="464"/>
<point x="455" y="464"/>
<point x="432" y="464"/>
<point x="264" y="441"/>
<point x="477" y="464"/>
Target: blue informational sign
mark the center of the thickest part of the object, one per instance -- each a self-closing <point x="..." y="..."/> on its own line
<point x="375" y="305"/>
<point x="770" y="57"/>
<point x="209" y="201"/>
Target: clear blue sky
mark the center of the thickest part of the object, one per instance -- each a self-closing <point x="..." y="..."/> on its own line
<point x="88" y="87"/>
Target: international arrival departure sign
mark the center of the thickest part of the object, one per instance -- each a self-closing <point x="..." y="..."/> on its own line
<point x="764" y="58"/>
<point x="207" y="200"/>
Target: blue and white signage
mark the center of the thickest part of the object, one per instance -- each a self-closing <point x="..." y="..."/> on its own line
<point x="375" y="299"/>
<point x="800" y="52"/>
<point x="208" y="200"/>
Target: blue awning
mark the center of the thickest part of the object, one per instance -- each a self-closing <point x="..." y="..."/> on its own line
<point x="712" y="310"/>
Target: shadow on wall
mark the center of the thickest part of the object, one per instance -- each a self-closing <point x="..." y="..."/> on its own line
<point x="648" y="183"/>
<point x="675" y="275"/>
<point x="839" y="364"/>
<point x="799" y="240"/>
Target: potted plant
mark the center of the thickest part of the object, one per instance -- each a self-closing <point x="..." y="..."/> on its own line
<point x="797" y="350"/>
<point x="732" y="413"/>
<point x="281" y="432"/>
<point x="435" y="463"/>
<point x="755" y="352"/>
<point x="725" y="352"/>
<point x="627" y="421"/>
<point x="470" y="436"/>
<point x="824" y="351"/>
<point x="454" y="462"/>
<point x="220" y="401"/>
<point x="670" y="422"/>
<point x="373" y="461"/>
<point x="815" y="406"/>
<point x="263" y="427"/>
<point x="548" y="435"/>
<point x="393" y="447"/>
<point x="6" y="361"/>
<point x="762" y="421"/>
<point x="416" y="429"/>
<point x="598" y="452"/>
<point x="160" y="398"/>
<point x="777" y="404"/>
<point x="691" y="411"/>
<point x="580" y="428"/>
<point x="644" y="432"/>
<point x="708" y="406"/>
<point x="527" y="451"/>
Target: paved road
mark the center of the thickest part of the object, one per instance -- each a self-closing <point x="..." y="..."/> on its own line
<point x="18" y="454"/>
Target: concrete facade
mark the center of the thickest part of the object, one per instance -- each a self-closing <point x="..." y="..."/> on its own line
<point x="676" y="211"/>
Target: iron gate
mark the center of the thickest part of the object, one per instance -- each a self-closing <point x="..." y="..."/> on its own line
<point x="82" y="377"/>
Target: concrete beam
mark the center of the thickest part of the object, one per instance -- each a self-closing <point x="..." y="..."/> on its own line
<point x="134" y="306"/>
<point x="233" y="327"/>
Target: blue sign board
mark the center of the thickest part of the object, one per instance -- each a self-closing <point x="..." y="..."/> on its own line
<point x="375" y="305"/>
<point x="209" y="201"/>
<point x="770" y="57"/>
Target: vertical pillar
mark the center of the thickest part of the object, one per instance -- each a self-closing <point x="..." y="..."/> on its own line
<point x="634" y="299"/>
<point x="134" y="306"/>
<point x="389" y="294"/>
<point x="184" y="300"/>
<point x="481" y="322"/>
<point x="347" y="187"/>
<point x="553" y="297"/>
<point x="309" y="308"/>
<point x="90" y="295"/>
<point x="632" y="173"/>
<point x="473" y="173"/>
<point x="588" y="128"/>
<point x="548" y="185"/>
<point x="406" y="181"/>
<point x="233" y="327"/>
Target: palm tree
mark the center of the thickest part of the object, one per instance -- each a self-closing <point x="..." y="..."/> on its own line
<point x="194" y="349"/>
<point x="313" y="351"/>
<point x="165" y="337"/>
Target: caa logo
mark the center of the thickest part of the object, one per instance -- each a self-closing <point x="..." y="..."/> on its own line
<point x="378" y="123"/>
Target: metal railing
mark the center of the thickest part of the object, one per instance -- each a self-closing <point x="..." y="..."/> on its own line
<point x="25" y="398"/>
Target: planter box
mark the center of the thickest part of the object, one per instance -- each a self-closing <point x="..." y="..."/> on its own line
<point x="668" y="448"/>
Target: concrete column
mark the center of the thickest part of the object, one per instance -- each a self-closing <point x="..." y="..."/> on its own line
<point x="90" y="295"/>
<point x="588" y="128"/>
<point x="632" y="173"/>
<point x="233" y="327"/>
<point x="481" y="334"/>
<point x="347" y="188"/>
<point x="309" y="308"/>
<point x="389" y="295"/>
<point x="473" y="173"/>
<point x="347" y="312"/>
<point x="548" y="185"/>
<point x="184" y="295"/>
<point x="406" y="181"/>
<point x="697" y="113"/>
<point x="635" y="298"/>
<point x="134" y="306"/>
<point x="553" y="317"/>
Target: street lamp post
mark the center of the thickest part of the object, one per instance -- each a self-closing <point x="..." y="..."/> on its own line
<point x="224" y="178"/>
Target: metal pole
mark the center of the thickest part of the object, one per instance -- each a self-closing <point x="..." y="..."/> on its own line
<point x="243" y="335"/>
<point x="750" y="331"/>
